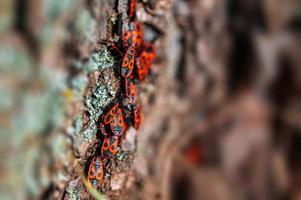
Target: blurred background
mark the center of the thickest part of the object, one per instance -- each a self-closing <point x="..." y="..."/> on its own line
<point x="222" y="109"/>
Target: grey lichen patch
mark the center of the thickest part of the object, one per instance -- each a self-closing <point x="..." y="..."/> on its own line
<point x="99" y="99"/>
<point x="99" y="60"/>
<point x="104" y="86"/>
<point x="85" y="26"/>
<point x="52" y="12"/>
<point x="76" y="127"/>
<point x="72" y="192"/>
<point x="96" y="101"/>
<point x="60" y="154"/>
<point x="78" y="123"/>
<point x="14" y="60"/>
<point x="53" y="9"/>
<point x="6" y="99"/>
<point x="59" y="146"/>
<point x="39" y="115"/>
<point x="36" y="107"/>
<point x="104" y="92"/>
<point x="79" y="82"/>
<point x="102" y="95"/>
<point x="90" y="131"/>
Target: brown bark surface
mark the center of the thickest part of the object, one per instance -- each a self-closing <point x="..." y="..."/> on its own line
<point x="221" y="104"/>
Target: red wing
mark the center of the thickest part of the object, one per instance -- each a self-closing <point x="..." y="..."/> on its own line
<point x="110" y="146"/>
<point x="105" y="146"/>
<point x="91" y="172"/>
<point x="113" y="149"/>
<point x="110" y="115"/>
<point x="121" y="123"/>
<point x="95" y="172"/>
<point x="114" y="145"/>
<point x="118" y="125"/>
<point x="127" y="63"/>
<point x="99" y="172"/>
<point x="125" y="71"/>
<point x="131" y="64"/>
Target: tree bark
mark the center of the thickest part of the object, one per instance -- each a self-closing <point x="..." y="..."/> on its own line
<point x="220" y="106"/>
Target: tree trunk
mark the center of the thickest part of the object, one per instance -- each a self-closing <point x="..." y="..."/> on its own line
<point x="220" y="104"/>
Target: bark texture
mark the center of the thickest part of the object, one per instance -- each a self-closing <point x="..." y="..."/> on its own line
<point x="221" y="105"/>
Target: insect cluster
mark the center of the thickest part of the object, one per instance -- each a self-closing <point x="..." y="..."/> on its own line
<point x="136" y="56"/>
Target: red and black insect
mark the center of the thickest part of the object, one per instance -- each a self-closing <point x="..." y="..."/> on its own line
<point x="95" y="172"/>
<point x="113" y="122"/>
<point x="128" y="62"/>
<point x="132" y="35"/>
<point x="109" y="147"/>
<point x="108" y="117"/>
<point x="138" y="34"/>
<point x="144" y="61"/>
<point x="130" y="39"/>
<point x="117" y="124"/>
<point x="137" y="57"/>
<point x="131" y="98"/>
<point x="141" y="69"/>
